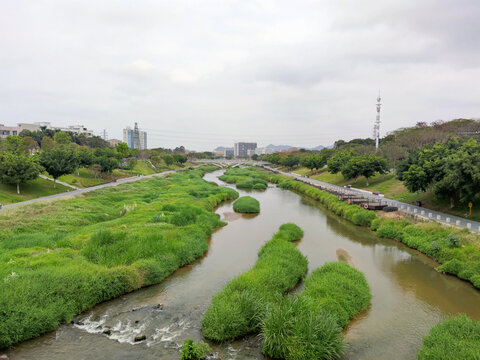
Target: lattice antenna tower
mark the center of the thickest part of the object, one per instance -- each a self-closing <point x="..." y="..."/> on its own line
<point x="376" y="126"/>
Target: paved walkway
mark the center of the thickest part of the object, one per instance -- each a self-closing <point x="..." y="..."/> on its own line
<point x="416" y="211"/>
<point x="81" y="191"/>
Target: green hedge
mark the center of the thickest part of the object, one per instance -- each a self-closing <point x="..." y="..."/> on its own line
<point x="308" y="326"/>
<point x="454" y="338"/>
<point x="239" y="308"/>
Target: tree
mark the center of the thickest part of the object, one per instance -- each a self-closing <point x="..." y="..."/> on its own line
<point x="290" y="161"/>
<point x="336" y="162"/>
<point x="84" y="158"/>
<point x="180" y="159"/>
<point x="107" y="164"/>
<point x="29" y="145"/>
<point x="123" y="149"/>
<point x="168" y="159"/>
<point x="47" y="143"/>
<point x="58" y="162"/>
<point x="366" y="165"/>
<point x="179" y="149"/>
<point x="13" y="144"/>
<point x="451" y="168"/>
<point x="313" y="161"/>
<point x="62" y="138"/>
<point x="18" y="168"/>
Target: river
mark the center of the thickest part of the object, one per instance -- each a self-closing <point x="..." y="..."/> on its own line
<point x="409" y="296"/>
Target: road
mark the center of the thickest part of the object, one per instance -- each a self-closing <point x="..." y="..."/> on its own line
<point x="82" y="191"/>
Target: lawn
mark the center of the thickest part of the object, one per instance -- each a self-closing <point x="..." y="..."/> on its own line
<point x="30" y="190"/>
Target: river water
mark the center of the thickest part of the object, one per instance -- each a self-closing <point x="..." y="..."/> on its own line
<point x="409" y="296"/>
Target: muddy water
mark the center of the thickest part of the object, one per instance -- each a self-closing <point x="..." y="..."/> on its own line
<point x="409" y="296"/>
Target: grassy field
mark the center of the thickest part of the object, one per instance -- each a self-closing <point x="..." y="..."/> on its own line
<point x="84" y="179"/>
<point x="59" y="258"/>
<point x="30" y="190"/>
<point x="392" y="188"/>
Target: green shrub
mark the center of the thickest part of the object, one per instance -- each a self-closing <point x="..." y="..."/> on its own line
<point x="454" y="338"/>
<point x="453" y="267"/>
<point x="194" y="350"/>
<point x="239" y="308"/>
<point x="246" y="204"/>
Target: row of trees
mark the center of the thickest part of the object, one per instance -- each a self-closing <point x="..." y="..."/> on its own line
<point x="452" y="169"/>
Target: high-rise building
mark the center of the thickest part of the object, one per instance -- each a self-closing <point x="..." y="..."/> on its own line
<point x="240" y="149"/>
<point x="135" y="139"/>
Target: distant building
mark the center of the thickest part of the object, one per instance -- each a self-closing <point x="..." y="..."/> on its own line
<point x="135" y="139"/>
<point x="37" y="126"/>
<point x="114" y="142"/>
<point x="229" y="153"/>
<point x="264" y="151"/>
<point x="240" y="149"/>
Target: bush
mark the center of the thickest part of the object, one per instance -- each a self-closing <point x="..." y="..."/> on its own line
<point x="239" y="308"/>
<point x="454" y="338"/>
<point x="246" y="204"/>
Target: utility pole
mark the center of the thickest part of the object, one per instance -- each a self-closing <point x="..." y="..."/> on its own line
<point x="105" y="135"/>
<point x="376" y="126"/>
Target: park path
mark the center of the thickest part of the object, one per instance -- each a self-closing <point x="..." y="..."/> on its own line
<point x="93" y="188"/>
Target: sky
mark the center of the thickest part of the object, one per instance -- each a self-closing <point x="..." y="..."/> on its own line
<point x="207" y="73"/>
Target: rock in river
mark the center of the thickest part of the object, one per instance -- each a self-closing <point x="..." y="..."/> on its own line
<point x="140" y="337"/>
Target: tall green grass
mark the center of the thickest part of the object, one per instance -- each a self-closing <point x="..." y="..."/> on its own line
<point x="249" y="178"/>
<point x="60" y="258"/>
<point x="246" y="204"/>
<point x="454" y="338"/>
<point x="238" y="309"/>
<point x="308" y="326"/>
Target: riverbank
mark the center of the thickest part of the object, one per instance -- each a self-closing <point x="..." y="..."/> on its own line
<point x="60" y="258"/>
<point x="457" y="250"/>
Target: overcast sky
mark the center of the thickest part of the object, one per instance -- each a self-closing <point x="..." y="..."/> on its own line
<point x="207" y="73"/>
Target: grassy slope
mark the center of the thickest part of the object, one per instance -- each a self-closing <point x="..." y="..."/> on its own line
<point x="30" y="190"/>
<point x="61" y="257"/>
<point x="393" y="188"/>
<point x="85" y="179"/>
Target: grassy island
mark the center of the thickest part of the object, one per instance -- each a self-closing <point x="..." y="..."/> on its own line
<point x="246" y="204"/>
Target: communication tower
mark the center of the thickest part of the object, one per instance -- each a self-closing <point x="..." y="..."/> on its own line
<point x="376" y="127"/>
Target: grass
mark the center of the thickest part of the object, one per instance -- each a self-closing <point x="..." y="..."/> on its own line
<point x="32" y="189"/>
<point x="246" y="204"/>
<point x="454" y="338"/>
<point x="238" y="308"/>
<point x="308" y="326"/>
<point x="85" y="178"/>
<point x="60" y="258"/>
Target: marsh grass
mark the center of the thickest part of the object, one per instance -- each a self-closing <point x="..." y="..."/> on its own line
<point x="246" y="204"/>
<point x="60" y="258"/>
<point x="238" y="309"/>
<point x="454" y="338"/>
<point x="308" y="326"/>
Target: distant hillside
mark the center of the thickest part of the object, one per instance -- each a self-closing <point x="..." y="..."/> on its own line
<point x="222" y="148"/>
<point x="319" y="147"/>
<point x="279" y="147"/>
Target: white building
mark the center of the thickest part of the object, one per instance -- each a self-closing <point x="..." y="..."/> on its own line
<point x="36" y="126"/>
<point x="135" y="138"/>
<point x="264" y="151"/>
